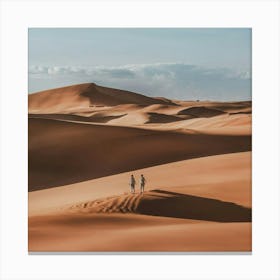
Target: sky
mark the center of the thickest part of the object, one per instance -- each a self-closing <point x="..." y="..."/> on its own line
<point x="178" y="63"/>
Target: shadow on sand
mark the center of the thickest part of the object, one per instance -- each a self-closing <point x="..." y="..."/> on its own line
<point x="177" y="205"/>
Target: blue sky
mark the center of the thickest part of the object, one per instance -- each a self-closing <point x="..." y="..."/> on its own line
<point x="182" y="63"/>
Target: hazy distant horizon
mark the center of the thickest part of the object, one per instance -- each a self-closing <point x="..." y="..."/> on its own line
<point x="177" y="63"/>
<point x="143" y="93"/>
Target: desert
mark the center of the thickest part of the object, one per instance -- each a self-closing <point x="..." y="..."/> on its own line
<point x="85" y="141"/>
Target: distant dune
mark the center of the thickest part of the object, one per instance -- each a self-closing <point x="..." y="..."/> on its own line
<point x="96" y="118"/>
<point x="201" y="112"/>
<point x="55" y="100"/>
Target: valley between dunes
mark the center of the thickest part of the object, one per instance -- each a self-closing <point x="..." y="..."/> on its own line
<point x="86" y="140"/>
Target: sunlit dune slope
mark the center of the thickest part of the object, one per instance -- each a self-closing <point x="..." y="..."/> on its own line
<point x="181" y="210"/>
<point x="134" y="233"/>
<point x="85" y="95"/>
<point x="225" y="177"/>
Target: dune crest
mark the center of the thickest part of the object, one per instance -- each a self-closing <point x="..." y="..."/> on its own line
<point x="168" y="204"/>
<point x="85" y="95"/>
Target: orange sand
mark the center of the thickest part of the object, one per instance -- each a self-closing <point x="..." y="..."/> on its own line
<point x="86" y="140"/>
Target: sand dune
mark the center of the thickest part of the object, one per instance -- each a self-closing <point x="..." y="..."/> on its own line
<point x="237" y="124"/>
<point x="230" y="124"/>
<point x="97" y="118"/>
<point x="168" y="204"/>
<point x="122" y="118"/>
<point x="62" y="152"/>
<point x="87" y="99"/>
<point x="201" y="112"/>
<point x="140" y="118"/>
<point x="233" y="107"/>
<point x="222" y="106"/>
<point x="86" y="140"/>
<point x="231" y="185"/>
<point x="85" y="95"/>
<point x="137" y="223"/>
<point x="134" y="233"/>
<point x="131" y="119"/>
<point x="162" y="118"/>
<point x="163" y="109"/>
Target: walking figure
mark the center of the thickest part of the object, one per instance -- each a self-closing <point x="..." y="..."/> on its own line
<point x="142" y="183"/>
<point x="132" y="184"/>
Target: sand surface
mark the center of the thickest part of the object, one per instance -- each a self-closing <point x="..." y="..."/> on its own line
<point x="84" y="143"/>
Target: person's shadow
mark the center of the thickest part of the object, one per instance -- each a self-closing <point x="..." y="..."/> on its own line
<point x="177" y="205"/>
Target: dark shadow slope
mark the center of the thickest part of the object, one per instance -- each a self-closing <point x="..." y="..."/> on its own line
<point x="177" y="205"/>
<point x="61" y="153"/>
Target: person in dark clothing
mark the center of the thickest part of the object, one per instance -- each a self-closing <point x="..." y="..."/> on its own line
<point x="142" y="183"/>
<point x="132" y="184"/>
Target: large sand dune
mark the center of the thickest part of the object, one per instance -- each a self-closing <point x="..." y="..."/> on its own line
<point x="137" y="233"/>
<point x="86" y="140"/>
<point x="63" y="152"/>
<point x="233" y="184"/>
<point x="168" y="204"/>
<point x="178" y="201"/>
<point x="85" y="95"/>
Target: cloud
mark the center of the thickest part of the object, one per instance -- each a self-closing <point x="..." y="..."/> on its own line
<point x="84" y="71"/>
<point x="172" y="80"/>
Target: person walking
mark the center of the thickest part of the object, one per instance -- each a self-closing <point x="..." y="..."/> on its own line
<point x="132" y="184"/>
<point x="142" y="183"/>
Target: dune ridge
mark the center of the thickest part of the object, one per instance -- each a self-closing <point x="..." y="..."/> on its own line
<point x="85" y="95"/>
<point x="96" y="118"/>
<point x="168" y="204"/>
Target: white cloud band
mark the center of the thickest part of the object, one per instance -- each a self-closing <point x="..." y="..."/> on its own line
<point x="173" y="80"/>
